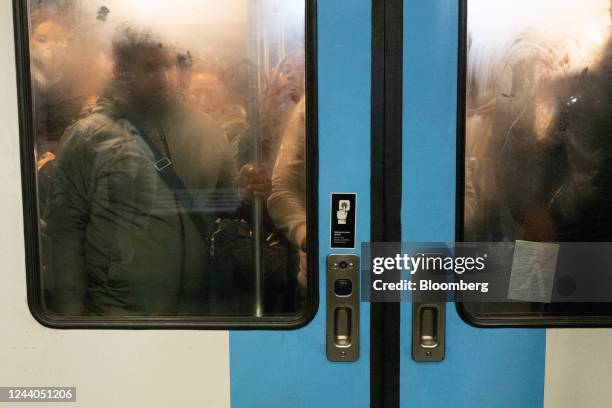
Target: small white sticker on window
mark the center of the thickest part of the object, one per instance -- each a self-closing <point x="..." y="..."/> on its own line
<point x="533" y="271"/>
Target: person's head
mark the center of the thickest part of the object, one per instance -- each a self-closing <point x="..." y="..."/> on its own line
<point x="48" y="42"/>
<point x="145" y="68"/>
<point x="206" y="90"/>
<point x="288" y="76"/>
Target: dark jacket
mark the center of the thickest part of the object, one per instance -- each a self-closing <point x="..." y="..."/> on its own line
<point x="577" y="160"/>
<point x="118" y="241"/>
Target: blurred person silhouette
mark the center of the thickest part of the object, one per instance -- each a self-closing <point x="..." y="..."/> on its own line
<point x="287" y="203"/>
<point x="284" y="92"/>
<point x="213" y="88"/>
<point x="207" y="91"/>
<point x="56" y="99"/>
<point x="59" y="89"/>
<point x="573" y="199"/>
<point x="138" y="185"/>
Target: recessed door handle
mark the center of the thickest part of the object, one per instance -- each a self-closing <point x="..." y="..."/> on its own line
<point x="342" y="307"/>
<point x="428" y="331"/>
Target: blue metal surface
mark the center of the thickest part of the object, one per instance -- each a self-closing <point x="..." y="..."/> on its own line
<point x="483" y="368"/>
<point x="280" y="369"/>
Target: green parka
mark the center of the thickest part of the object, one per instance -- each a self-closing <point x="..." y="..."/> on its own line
<point x="117" y="241"/>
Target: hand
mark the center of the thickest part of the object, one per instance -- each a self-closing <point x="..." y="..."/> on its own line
<point x="257" y="182"/>
<point x="46" y="158"/>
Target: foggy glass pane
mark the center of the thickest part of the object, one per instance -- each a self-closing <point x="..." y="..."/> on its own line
<point x="538" y="125"/>
<point x="170" y="151"/>
<point x="538" y="162"/>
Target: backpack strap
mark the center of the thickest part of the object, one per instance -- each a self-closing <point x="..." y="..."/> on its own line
<point x="165" y="168"/>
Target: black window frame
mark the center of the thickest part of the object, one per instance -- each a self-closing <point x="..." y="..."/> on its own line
<point x="202" y="322"/>
<point x="507" y="319"/>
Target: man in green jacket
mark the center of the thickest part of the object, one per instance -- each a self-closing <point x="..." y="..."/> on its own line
<point x="119" y="240"/>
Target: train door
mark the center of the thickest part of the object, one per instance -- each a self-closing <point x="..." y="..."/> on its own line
<point x="502" y="368"/>
<point x="98" y="181"/>
<point x="512" y="57"/>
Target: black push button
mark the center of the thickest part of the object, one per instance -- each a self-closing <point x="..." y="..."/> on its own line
<point x="343" y="287"/>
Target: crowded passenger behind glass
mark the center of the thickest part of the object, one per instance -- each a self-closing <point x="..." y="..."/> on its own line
<point x="211" y="87"/>
<point x="60" y="88"/>
<point x="575" y="160"/>
<point x="287" y="203"/>
<point x="120" y="241"/>
<point x="539" y="150"/>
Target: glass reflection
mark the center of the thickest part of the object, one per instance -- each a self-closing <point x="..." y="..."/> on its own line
<point x="170" y="149"/>
<point x="538" y="123"/>
<point x="538" y="152"/>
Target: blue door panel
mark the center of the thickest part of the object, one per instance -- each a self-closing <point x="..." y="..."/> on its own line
<point x="276" y="369"/>
<point x="483" y="368"/>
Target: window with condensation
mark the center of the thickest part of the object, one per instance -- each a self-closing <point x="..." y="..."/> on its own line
<point x="536" y="130"/>
<point x="167" y="168"/>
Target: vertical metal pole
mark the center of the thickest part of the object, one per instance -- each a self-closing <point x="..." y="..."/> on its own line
<point x="256" y="159"/>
